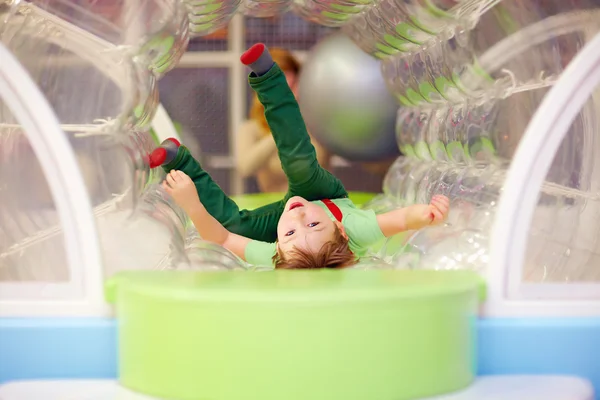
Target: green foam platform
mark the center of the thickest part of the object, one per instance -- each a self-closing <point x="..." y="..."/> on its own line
<point x="296" y="335"/>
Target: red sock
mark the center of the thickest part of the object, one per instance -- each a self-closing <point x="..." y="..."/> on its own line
<point x="157" y="157"/>
<point x="252" y="54"/>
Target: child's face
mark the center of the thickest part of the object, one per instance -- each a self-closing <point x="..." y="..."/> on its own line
<point x="303" y="225"/>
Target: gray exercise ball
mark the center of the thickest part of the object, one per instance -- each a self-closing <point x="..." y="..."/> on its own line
<point x="345" y="103"/>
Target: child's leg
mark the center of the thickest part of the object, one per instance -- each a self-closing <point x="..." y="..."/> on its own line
<point x="296" y="152"/>
<point x="260" y="224"/>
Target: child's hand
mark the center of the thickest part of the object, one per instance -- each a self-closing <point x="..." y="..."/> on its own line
<point x="414" y="217"/>
<point x="182" y="189"/>
<point x="438" y="209"/>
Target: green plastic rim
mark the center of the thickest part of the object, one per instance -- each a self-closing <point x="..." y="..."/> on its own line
<point x="415" y="97"/>
<point x="324" y="285"/>
<point x="422" y="151"/>
<point x="386" y="49"/>
<point x="479" y="145"/>
<point x="429" y="92"/>
<point x="436" y="11"/>
<point x="444" y="85"/>
<point x="438" y="150"/>
<point x="456" y="152"/>
<point x="404" y="101"/>
<point x="408" y="150"/>
<point x="402" y="45"/>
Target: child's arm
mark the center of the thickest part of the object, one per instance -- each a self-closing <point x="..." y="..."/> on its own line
<point x="211" y="230"/>
<point x="414" y="217"/>
<point x="182" y="189"/>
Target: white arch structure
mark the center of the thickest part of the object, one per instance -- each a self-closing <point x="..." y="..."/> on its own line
<point x="83" y="293"/>
<point x="508" y="295"/>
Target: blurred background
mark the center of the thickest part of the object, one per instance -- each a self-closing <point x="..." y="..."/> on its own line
<point x="200" y="94"/>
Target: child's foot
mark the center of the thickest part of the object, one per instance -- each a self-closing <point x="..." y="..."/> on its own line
<point x="165" y="153"/>
<point x="258" y="59"/>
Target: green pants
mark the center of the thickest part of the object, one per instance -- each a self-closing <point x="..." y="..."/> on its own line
<point x="298" y="159"/>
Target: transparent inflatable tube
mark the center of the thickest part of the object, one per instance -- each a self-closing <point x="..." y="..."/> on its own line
<point x="84" y="290"/>
<point x="208" y="16"/>
<point x="508" y="295"/>
<point x="456" y="70"/>
<point x="331" y="13"/>
<point x="265" y="8"/>
<point x="496" y="61"/>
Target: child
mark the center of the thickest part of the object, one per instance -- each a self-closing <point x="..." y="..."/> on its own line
<point x="315" y="225"/>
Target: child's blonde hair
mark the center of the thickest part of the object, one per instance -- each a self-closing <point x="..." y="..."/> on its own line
<point x="333" y="254"/>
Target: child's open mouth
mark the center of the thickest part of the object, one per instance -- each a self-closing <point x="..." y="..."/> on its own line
<point x="295" y="205"/>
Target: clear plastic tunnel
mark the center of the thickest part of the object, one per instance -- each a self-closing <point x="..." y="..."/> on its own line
<point x="102" y="107"/>
<point x="469" y="76"/>
<point x="463" y="145"/>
